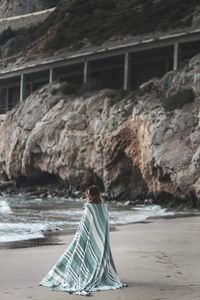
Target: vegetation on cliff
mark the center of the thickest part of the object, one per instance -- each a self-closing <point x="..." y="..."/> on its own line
<point x="76" y="22"/>
<point x="179" y="99"/>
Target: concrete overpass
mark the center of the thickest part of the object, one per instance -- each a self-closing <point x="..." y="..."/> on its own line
<point x="120" y="66"/>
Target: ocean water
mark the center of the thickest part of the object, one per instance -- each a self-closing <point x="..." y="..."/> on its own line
<point x="30" y="218"/>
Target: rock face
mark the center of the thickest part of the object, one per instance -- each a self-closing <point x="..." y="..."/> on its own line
<point x="131" y="145"/>
<point x="9" y="8"/>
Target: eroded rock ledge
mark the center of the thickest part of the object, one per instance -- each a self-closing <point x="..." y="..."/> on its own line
<point x="133" y="145"/>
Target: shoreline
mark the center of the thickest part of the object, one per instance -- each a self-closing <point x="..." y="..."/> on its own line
<point x="158" y="260"/>
<point x="55" y="238"/>
<point x="58" y="189"/>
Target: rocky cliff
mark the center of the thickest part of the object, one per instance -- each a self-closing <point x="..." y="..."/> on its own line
<point x="132" y="145"/>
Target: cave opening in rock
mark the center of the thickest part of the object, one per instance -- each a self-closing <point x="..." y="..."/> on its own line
<point x="127" y="182"/>
<point x="39" y="179"/>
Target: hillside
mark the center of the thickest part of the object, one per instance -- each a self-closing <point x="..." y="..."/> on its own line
<point x="76" y="24"/>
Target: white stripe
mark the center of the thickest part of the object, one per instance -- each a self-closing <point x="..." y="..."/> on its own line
<point x="95" y="235"/>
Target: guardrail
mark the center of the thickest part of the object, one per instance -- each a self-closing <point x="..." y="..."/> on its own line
<point x="25" y="20"/>
<point x="172" y="45"/>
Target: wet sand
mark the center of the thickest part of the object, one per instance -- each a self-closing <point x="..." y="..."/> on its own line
<point x="158" y="259"/>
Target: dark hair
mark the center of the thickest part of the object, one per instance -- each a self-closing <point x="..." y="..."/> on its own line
<point x="94" y="193"/>
<point x="93" y="190"/>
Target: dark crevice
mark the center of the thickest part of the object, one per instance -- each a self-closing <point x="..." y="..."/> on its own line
<point x="127" y="182"/>
<point x="160" y="174"/>
<point x="39" y="179"/>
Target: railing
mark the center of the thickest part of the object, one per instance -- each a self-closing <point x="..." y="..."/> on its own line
<point x="7" y="106"/>
<point x="3" y="109"/>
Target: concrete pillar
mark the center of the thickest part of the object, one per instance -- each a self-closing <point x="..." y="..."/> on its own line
<point x="1" y="100"/>
<point x="22" y="87"/>
<point x="51" y="75"/>
<point x="7" y="100"/>
<point x="86" y="72"/>
<point x="176" y="56"/>
<point x="127" y="71"/>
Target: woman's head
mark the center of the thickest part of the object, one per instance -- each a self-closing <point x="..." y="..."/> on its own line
<point x="93" y="195"/>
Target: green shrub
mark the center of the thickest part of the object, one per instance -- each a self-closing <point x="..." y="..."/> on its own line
<point x="68" y="88"/>
<point x="178" y="100"/>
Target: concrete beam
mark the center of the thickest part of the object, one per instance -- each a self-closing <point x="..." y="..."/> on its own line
<point x="133" y="47"/>
<point x="127" y="71"/>
<point x="176" y="56"/>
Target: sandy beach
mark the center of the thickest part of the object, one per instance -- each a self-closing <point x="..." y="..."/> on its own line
<point x="159" y="259"/>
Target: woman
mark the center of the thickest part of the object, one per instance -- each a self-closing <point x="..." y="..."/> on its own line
<point x="87" y="265"/>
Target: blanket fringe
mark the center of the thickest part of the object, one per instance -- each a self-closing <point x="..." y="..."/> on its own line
<point x="83" y="293"/>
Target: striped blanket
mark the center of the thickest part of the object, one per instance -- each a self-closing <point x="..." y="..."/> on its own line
<point x="87" y="264"/>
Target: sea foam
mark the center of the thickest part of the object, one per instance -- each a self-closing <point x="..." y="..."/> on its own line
<point x="138" y="214"/>
<point x="4" y="208"/>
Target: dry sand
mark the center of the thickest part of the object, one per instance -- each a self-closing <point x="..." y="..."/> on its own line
<point x="159" y="260"/>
